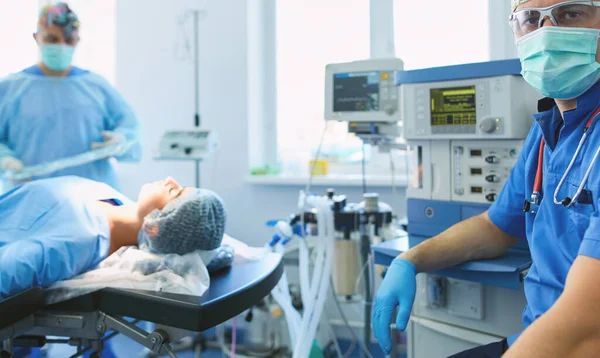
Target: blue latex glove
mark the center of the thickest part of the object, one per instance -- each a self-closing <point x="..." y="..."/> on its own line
<point x="398" y="289"/>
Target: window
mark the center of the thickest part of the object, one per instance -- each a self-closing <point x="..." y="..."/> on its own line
<point x="17" y="25"/>
<point x="441" y="33"/>
<point x="97" y="49"/>
<point x="310" y="35"/>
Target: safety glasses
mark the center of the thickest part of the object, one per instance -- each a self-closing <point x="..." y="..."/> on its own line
<point x="577" y="13"/>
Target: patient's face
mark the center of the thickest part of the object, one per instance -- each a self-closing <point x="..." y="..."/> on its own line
<point x="158" y="194"/>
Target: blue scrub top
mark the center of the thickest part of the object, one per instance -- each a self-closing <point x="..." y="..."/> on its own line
<point x="43" y="119"/>
<point x="556" y="235"/>
<point x="52" y="230"/>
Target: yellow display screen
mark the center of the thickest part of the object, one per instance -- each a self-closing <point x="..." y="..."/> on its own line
<point x="453" y="106"/>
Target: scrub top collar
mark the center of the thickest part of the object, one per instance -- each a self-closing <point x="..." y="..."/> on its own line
<point x="550" y="120"/>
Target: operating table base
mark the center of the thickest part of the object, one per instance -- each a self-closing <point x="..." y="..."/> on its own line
<point x="84" y="330"/>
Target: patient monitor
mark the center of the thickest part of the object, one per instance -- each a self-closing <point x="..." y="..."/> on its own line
<point x="365" y="94"/>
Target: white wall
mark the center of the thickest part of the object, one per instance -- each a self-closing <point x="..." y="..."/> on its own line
<point x="160" y="89"/>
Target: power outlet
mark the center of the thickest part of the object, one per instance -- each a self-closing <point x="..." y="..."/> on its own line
<point x="465" y="299"/>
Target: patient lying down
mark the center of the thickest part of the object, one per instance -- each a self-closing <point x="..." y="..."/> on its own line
<point x="55" y="229"/>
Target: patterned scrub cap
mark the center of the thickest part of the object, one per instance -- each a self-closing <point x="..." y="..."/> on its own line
<point x="60" y="15"/>
<point x="516" y="3"/>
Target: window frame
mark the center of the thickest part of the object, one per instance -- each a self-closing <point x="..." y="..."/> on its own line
<point x="262" y="71"/>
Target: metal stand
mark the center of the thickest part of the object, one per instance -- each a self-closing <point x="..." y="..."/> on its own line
<point x="365" y="249"/>
<point x="197" y="172"/>
<point x="8" y="346"/>
<point x="85" y="330"/>
<point x="197" y="82"/>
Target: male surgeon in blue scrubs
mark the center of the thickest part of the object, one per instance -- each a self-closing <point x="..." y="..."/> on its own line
<point x="557" y="42"/>
<point x="54" y="110"/>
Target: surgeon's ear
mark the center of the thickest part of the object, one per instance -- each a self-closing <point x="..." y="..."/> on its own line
<point x="35" y="37"/>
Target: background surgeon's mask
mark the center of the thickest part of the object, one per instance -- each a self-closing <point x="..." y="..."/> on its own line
<point x="560" y="62"/>
<point x="57" y="57"/>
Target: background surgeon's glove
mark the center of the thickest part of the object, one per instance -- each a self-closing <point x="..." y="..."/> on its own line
<point x="398" y="289"/>
<point x="110" y="138"/>
<point x="11" y="163"/>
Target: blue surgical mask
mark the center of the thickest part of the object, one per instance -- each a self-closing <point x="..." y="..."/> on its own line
<point x="560" y="62"/>
<point x="57" y="57"/>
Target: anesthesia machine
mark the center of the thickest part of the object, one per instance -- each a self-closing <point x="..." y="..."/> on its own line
<point x="464" y="126"/>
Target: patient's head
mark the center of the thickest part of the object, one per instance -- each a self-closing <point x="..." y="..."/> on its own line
<point x="180" y="220"/>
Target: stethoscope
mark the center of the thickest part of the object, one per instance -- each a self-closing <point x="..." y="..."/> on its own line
<point x="531" y="206"/>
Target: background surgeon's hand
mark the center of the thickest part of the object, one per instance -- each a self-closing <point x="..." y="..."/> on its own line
<point x="11" y="163"/>
<point x="110" y="138"/>
<point x="398" y="289"/>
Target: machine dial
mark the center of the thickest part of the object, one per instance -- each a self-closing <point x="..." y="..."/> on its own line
<point x="493" y="178"/>
<point x="492" y="159"/>
<point x="389" y="110"/>
<point x="491" y="197"/>
<point x="488" y="125"/>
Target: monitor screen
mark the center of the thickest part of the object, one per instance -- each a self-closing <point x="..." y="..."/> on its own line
<point x="453" y="106"/>
<point x="356" y="92"/>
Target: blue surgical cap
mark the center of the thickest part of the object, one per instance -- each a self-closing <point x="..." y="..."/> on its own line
<point x="193" y="222"/>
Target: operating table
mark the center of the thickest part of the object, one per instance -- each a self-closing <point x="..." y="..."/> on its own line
<point x="87" y="321"/>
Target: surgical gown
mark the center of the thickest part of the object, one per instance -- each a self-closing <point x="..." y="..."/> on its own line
<point x="43" y="119"/>
<point x="52" y="230"/>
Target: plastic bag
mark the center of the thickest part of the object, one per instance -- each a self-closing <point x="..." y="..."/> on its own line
<point x="80" y="159"/>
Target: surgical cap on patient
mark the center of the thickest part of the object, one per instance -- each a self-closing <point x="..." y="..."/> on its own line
<point x="194" y="222"/>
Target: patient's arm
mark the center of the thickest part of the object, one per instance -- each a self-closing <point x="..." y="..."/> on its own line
<point x="30" y="263"/>
<point x="476" y="238"/>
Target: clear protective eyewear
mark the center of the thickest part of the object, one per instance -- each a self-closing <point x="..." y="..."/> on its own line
<point x="576" y="13"/>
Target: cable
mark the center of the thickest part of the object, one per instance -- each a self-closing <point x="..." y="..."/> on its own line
<point x="364" y="171"/>
<point x="345" y="319"/>
<point x="359" y="278"/>
<point x="393" y="170"/>
<point x="350" y="349"/>
<point x="306" y="193"/>
<point x="312" y="169"/>
<point x="181" y="29"/>
<point x="214" y="169"/>
<point x="336" y="345"/>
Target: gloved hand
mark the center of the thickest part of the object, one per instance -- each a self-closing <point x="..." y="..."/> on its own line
<point x="398" y="289"/>
<point x="11" y="163"/>
<point x="110" y="138"/>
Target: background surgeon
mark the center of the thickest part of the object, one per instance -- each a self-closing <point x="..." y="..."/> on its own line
<point x="557" y="42"/>
<point x="54" y="110"/>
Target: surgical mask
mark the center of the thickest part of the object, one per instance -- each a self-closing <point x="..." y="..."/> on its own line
<point x="560" y="62"/>
<point x="57" y="57"/>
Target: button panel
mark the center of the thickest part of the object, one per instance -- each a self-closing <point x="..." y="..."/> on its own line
<point x="482" y="168"/>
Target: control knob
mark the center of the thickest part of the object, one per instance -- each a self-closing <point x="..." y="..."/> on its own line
<point x="493" y="178"/>
<point x="491" y="197"/>
<point x="492" y="159"/>
<point x="488" y="125"/>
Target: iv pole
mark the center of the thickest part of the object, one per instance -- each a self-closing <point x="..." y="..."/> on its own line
<point x="196" y="14"/>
